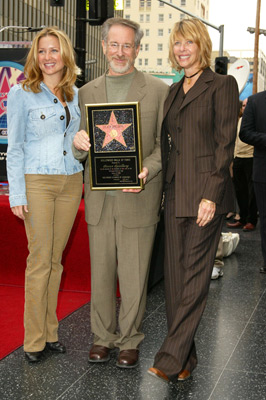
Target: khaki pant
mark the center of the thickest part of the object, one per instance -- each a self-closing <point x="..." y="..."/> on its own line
<point x="117" y="251"/>
<point x="53" y="201"/>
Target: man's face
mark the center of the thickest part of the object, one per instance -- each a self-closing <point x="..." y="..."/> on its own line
<point x="120" y="50"/>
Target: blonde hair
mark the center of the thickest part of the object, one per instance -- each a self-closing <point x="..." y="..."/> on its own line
<point x="33" y="72"/>
<point x="191" y="29"/>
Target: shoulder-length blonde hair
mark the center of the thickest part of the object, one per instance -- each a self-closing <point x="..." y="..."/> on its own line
<point x="191" y="29"/>
<point x="33" y="72"/>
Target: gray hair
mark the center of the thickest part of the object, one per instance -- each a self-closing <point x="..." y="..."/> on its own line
<point x="125" y="22"/>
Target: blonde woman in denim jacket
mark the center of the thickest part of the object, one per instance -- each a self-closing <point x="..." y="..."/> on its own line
<point x="45" y="181"/>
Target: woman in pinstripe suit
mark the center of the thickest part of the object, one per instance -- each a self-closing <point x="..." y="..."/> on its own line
<point x="198" y="135"/>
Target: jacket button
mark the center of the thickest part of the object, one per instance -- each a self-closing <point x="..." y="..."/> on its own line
<point x="62" y="117"/>
<point x="42" y="116"/>
<point x="178" y="152"/>
<point x="64" y="152"/>
<point x="55" y="101"/>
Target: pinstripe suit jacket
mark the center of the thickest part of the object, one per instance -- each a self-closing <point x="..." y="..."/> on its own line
<point x="253" y="131"/>
<point x="134" y="210"/>
<point x="202" y="145"/>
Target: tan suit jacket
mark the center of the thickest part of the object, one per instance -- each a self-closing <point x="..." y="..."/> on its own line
<point x="203" y="144"/>
<point x="135" y="210"/>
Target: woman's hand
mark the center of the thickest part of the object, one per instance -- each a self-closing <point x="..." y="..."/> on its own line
<point x="81" y="141"/>
<point x="206" y="212"/>
<point x="143" y="175"/>
<point x="19" y="211"/>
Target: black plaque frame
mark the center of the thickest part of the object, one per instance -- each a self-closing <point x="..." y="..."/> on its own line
<point x="115" y="156"/>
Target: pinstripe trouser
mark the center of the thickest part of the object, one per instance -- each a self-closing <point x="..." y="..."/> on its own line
<point x="260" y="192"/>
<point x="189" y="256"/>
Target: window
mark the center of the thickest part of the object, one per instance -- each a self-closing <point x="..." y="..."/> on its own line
<point x="127" y="16"/>
<point x="161" y="4"/>
<point x="170" y="16"/>
<point x="147" y="32"/>
<point x="182" y="16"/>
<point x="141" y="47"/>
<point x="141" y="18"/>
<point x="202" y="11"/>
<point x="127" y="4"/>
<point x="159" y="47"/>
<point x="160" y="17"/>
<point x="183" y="2"/>
<point x="146" y="61"/>
<point x="148" y="18"/>
<point x="148" y="3"/>
<point x="159" y="61"/>
<point x="141" y="3"/>
<point x="169" y="30"/>
<point x="140" y="61"/>
<point x="146" y="47"/>
<point x="160" y="32"/>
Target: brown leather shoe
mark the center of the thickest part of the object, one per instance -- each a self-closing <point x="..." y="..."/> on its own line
<point x="183" y="375"/>
<point x="158" y="374"/>
<point x="128" y="358"/>
<point x="99" y="353"/>
<point x="235" y="225"/>
<point x="249" y="227"/>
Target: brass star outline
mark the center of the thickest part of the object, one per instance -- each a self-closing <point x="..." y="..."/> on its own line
<point x="113" y="131"/>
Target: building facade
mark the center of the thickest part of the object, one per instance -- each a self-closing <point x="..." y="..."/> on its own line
<point x="157" y="19"/>
<point x="15" y="14"/>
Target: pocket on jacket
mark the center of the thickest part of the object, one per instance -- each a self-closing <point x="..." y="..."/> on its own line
<point x="42" y="120"/>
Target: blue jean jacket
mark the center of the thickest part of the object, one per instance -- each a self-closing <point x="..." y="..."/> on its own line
<point x="38" y="140"/>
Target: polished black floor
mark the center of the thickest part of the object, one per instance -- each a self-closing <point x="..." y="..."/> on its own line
<point x="231" y="345"/>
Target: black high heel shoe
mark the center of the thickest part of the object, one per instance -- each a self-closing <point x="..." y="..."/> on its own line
<point x="56" y="347"/>
<point x="33" y="356"/>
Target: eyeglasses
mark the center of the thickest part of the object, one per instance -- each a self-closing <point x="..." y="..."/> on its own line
<point x="125" y="47"/>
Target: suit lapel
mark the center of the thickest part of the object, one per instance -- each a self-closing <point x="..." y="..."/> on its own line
<point x="138" y="88"/>
<point x="201" y="85"/>
<point x="198" y="89"/>
<point x="171" y="97"/>
<point x="99" y="92"/>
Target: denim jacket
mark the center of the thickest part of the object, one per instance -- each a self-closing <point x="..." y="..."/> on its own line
<point x="38" y="140"/>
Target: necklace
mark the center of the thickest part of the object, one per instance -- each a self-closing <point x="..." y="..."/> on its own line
<point x="191" y="76"/>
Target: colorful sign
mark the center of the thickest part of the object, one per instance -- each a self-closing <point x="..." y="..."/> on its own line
<point x="118" y="4"/>
<point x="11" y="73"/>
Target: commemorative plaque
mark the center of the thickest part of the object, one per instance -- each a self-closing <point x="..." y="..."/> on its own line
<point x="115" y="155"/>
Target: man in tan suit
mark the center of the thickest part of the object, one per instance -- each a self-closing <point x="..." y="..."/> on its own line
<point x="122" y="224"/>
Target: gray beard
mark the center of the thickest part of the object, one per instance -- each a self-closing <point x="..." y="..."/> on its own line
<point x="120" y="70"/>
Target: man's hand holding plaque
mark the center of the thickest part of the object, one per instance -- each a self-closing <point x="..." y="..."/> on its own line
<point x="82" y="141"/>
<point x="143" y="175"/>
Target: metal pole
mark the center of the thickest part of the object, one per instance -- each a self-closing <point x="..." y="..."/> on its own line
<point x="221" y="30"/>
<point x="80" y="47"/>
<point x="256" y="49"/>
<point x="218" y="28"/>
